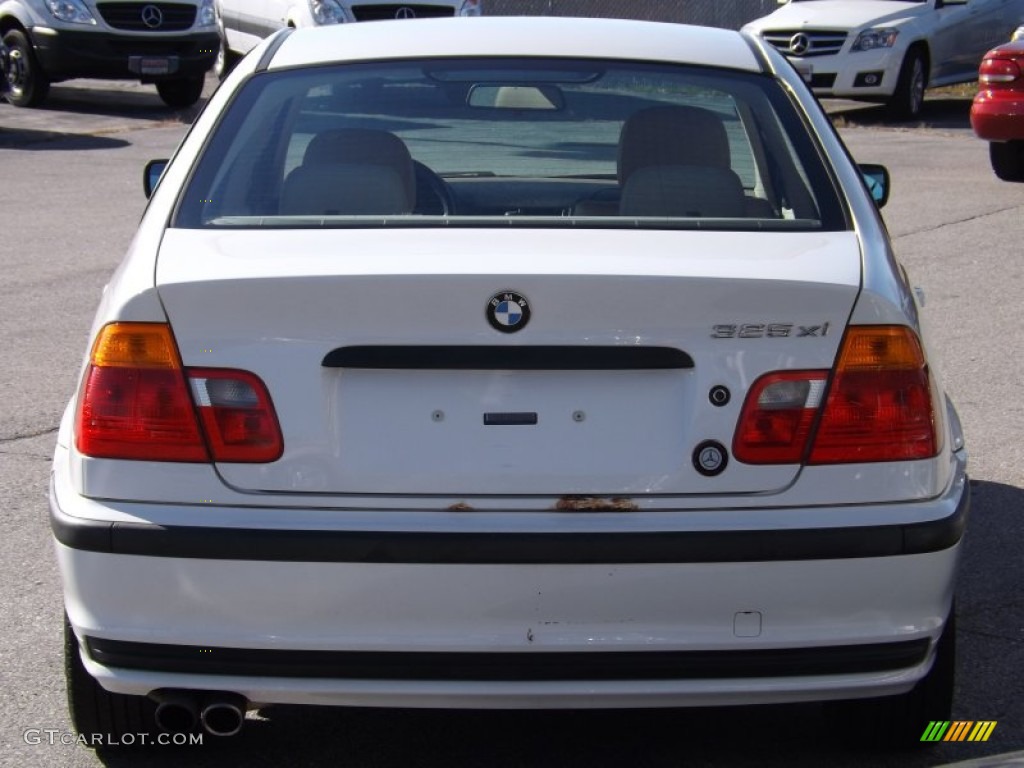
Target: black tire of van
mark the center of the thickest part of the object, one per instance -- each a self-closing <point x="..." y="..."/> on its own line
<point x="226" y="60"/>
<point x="28" y="84"/>
<point x="182" y="92"/>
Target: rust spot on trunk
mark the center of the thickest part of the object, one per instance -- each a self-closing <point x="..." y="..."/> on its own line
<point x="595" y="504"/>
<point x="460" y="507"/>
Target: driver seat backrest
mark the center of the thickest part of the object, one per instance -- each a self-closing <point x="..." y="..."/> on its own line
<point x="352" y="172"/>
<point x="675" y="161"/>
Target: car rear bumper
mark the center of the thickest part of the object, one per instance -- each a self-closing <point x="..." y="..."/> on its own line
<point x="998" y="116"/>
<point x="674" y="685"/>
<point x="149" y="58"/>
<point x="527" y="619"/>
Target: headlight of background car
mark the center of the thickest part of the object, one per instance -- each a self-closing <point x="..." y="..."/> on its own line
<point x="870" y="39"/>
<point x="70" y="10"/>
<point x="206" y="16"/>
<point x="1018" y="33"/>
<point x="326" y="12"/>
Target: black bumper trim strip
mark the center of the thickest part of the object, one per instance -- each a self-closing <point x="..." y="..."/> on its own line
<point x="508" y="358"/>
<point x="494" y="548"/>
<point x="518" y="666"/>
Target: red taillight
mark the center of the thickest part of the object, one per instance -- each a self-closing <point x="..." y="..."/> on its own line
<point x="237" y="415"/>
<point x="135" y="404"/>
<point x="998" y="71"/>
<point x="777" y="417"/>
<point x="879" y="406"/>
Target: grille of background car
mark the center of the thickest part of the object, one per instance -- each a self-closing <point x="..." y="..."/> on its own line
<point x="821" y="42"/>
<point x="128" y="16"/>
<point x="380" y="12"/>
<point x="728" y="14"/>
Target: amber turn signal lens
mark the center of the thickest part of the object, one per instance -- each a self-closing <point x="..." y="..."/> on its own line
<point x="135" y="345"/>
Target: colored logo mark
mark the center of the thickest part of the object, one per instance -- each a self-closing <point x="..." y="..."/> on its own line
<point x="508" y="312"/>
<point x="958" y="730"/>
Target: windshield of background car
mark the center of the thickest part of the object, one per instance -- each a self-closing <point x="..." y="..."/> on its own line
<point x="506" y="142"/>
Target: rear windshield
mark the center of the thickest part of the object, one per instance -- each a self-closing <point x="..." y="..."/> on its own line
<point x="507" y="142"/>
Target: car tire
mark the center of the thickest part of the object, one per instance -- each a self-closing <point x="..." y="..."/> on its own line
<point x="226" y="60"/>
<point x="105" y="720"/>
<point x="908" y="98"/>
<point x="900" y="721"/>
<point x="181" y="93"/>
<point x="1007" y="159"/>
<point x="28" y="84"/>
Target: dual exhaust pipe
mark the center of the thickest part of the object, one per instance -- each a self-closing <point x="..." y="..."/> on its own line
<point x="219" y="714"/>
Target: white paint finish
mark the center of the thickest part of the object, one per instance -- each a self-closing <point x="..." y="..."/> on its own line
<point x="807" y="504"/>
<point x="500" y="608"/>
<point x="276" y="302"/>
<point x="189" y="255"/>
<point x="193" y="494"/>
<point x="518" y="36"/>
<point x="842" y="14"/>
<point x="466" y="608"/>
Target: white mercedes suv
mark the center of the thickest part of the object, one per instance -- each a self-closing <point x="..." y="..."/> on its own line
<point x="888" y="50"/>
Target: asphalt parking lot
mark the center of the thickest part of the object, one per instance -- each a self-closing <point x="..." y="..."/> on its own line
<point x="71" y="187"/>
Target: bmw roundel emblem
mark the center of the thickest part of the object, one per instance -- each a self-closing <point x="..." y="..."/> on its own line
<point x="508" y="312"/>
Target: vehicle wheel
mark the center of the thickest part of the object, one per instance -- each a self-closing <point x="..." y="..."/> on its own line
<point x="180" y="93"/>
<point x="1007" y="159"/>
<point x="900" y="721"/>
<point x="94" y="710"/>
<point x="908" y="98"/>
<point x="226" y="60"/>
<point x="28" y="83"/>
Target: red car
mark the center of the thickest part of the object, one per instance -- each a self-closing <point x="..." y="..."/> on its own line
<point x="997" y="113"/>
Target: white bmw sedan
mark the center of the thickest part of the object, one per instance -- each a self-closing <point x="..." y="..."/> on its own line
<point x="509" y="363"/>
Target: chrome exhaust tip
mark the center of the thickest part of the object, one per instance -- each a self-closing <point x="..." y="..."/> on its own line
<point x="176" y="711"/>
<point x="223" y="714"/>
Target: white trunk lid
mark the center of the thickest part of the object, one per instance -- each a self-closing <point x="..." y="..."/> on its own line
<point x="605" y="392"/>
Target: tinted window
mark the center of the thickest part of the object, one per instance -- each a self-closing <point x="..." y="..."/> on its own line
<point x="498" y="142"/>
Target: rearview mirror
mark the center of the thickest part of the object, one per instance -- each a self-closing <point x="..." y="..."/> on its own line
<point x="876" y="179"/>
<point x="540" y="97"/>
<point x="151" y="176"/>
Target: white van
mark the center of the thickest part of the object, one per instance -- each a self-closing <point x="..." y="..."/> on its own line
<point x="243" y="23"/>
<point x="171" y="44"/>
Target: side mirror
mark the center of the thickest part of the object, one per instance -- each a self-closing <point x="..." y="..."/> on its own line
<point x="151" y="176"/>
<point x="876" y="179"/>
